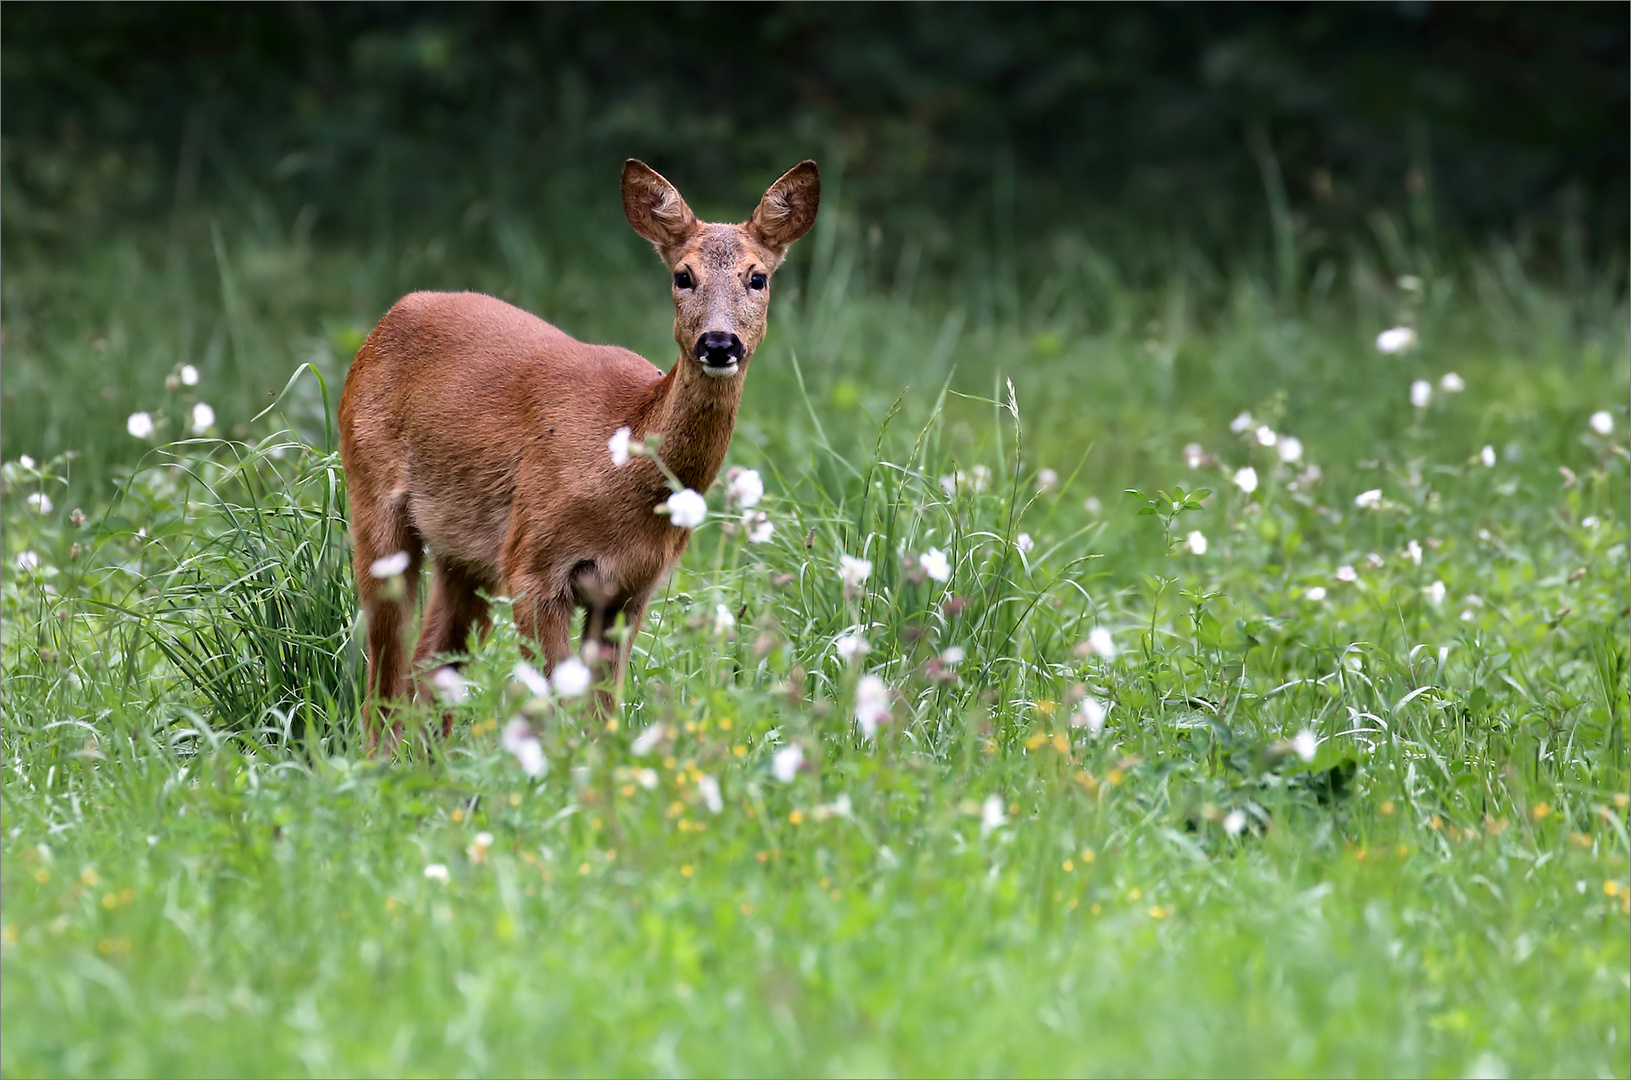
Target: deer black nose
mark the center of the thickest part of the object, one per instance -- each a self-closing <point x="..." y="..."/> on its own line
<point x="719" y="349"/>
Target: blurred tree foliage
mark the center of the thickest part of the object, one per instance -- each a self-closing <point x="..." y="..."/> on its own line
<point x="955" y="123"/>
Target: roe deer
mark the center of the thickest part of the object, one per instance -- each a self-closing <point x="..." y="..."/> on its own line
<point x="479" y="433"/>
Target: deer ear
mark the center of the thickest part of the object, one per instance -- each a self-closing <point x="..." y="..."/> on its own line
<point x="654" y="208"/>
<point x="789" y="208"/>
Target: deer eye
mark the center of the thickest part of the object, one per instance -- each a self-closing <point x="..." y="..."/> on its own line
<point x="756" y="281"/>
<point x="682" y="280"/>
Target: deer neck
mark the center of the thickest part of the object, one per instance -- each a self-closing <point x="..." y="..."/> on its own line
<point x="695" y="415"/>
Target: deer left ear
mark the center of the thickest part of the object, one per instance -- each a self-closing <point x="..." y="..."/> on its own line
<point x="788" y="209"/>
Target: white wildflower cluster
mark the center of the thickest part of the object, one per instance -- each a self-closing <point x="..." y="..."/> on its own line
<point x="977" y="480"/>
<point x="786" y="763"/>
<point x="685" y="509"/>
<point x="992" y="816"/>
<point x="200" y="419"/>
<point x="853" y="571"/>
<point x="519" y="740"/>
<point x="1100" y="642"/>
<point x="1090" y="715"/>
<point x="744" y="488"/>
<point x="851" y="644"/>
<point x="1287" y="448"/>
<point x="1396" y="339"/>
<point x="871" y="705"/>
<point x="936" y="564"/>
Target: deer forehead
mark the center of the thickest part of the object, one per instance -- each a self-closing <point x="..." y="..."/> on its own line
<point x="724" y="249"/>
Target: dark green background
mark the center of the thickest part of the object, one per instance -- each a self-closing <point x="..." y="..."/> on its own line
<point x="959" y="124"/>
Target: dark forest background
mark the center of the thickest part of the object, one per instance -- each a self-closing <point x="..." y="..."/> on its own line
<point x="958" y="124"/>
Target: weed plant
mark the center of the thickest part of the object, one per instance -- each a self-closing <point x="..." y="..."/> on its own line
<point x="1306" y="755"/>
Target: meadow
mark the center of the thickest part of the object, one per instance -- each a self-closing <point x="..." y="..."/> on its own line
<point x="1230" y="686"/>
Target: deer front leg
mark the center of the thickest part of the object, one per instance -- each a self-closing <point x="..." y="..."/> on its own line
<point x="543" y="620"/>
<point x="611" y="630"/>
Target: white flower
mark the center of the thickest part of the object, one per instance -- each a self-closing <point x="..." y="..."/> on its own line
<point x="953" y="656"/>
<point x="618" y="444"/>
<point x="189" y="375"/>
<point x="528" y="676"/>
<point x="871" y="705"/>
<point x="686" y="509"/>
<point x="140" y="425"/>
<point x="1101" y="643"/>
<point x="854" y="571"/>
<point x="1196" y="542"/>
<point x="948" y="483"/>
<point x="27" y="562"/>
<point x="1046" y="480"/>
<point x="724" y="621"/>
<point x="1305" y="744"/>
<point x="760" y="527"/>
<point x="1024" y="543"/>
<point x="1374" y="561"/>
<point x="531" y="757"/>
<point x="519" y="740"/>
<point x="571" y="677"/>
<point x="747" y="488"/>
<point x="1265" y="435"/>
<point x="1435" y="592"/>
<point x="1451" y="383"/>
<point x="1396" y="339"/>
<point x="1369" y="500"/>
<point x="851" y="645"/>
<point x="1421" y="392"/>
<point x="389" y="566"/>
<point x="1092" y="505"/>
<point x="979" y="478"/>
<point x="935" y="564"/>
<point x="647" y="779"/>
<point x="1234" y="821"/>
<point x="1291" y="449"/>
<point x="26" y="462"/>
<point x="40" y="501"/>
<point x="1412" y="551"/>
<point x="1240" y="423"/>
<point x="203" y="418"/>
<point x="1602" y="422"/>
<point x="1347" y="573"/>
<point x="787" y="763"/>
<point x="1194" y="455"/>
<point x="451" y="687"/>
<point x="711" y="798"/>
<point x="647" y="740"/>
<point x="437" y="872"/>
<point x="991" y="815"/>
<point x="1316" y="594"/>
<point x="1246" y="479"/>
<point x="1090" y="715"/>
<point x="1589" y="522"/>
<point x="1486" y="457"/>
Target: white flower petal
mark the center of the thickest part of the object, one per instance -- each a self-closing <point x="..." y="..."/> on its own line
<point x="571" y="677"/>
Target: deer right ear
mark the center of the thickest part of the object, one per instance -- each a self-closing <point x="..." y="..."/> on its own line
<point x="654" y="208"/>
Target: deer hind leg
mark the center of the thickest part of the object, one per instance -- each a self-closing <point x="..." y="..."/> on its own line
<point x="454" y="609"/>
<point x="383" y="533"/>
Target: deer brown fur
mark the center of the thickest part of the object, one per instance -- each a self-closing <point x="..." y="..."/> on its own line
<point x="477" y="433"/>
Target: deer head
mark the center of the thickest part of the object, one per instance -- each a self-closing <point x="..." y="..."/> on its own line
<point x="721" y="272"/>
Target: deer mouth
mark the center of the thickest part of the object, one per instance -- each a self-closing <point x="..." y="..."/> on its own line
<point x="719" y="353"/>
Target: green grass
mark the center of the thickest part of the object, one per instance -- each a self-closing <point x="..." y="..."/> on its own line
<point x="202" y="874"/>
